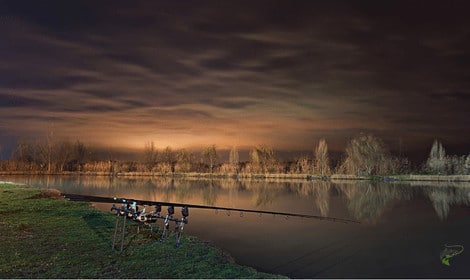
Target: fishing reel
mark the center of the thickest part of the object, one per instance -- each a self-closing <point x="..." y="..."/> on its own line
<point x="185" y="211"/>
<point x="122" y="211"/>
<point x="171" y="210"/>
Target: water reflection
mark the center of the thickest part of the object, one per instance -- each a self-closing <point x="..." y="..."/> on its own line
<point x="365" y="201"/>
<point x="443" y="198"/>
<point x="319" y="190"/>
<point x="322" y="197"/>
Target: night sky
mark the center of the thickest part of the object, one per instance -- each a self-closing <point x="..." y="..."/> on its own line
<point x="188" y="74"/>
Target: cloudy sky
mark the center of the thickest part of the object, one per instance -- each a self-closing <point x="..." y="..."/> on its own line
<point x="194" y="73"/>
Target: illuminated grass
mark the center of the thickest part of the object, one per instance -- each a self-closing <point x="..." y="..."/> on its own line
<point x="44" y="237"/>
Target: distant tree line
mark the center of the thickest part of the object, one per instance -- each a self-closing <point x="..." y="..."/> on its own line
<point x="365" y="155"/>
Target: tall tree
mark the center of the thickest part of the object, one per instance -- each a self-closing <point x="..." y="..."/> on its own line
<point x="48" y="149"/>
<point x="210" y="156"/>
<point x="322" y="160"/>
<point x="168" y="157"/>
<point x="437" y="160"/>
<point x="23" y="152"/>
<point x="366" y="155"/>
<point x="267" y="159"/>
<point x="150" y="156"/>
<point x="63" y="152"/>
<point x="79" y="156"/>
<point x="234" y="159"/>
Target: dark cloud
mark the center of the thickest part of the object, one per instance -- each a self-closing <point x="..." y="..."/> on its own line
<point x="56" y="15"/>
<point x="8" y="100"/>
<point x="254" y="70"/>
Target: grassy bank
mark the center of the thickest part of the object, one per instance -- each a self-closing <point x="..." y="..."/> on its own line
<point x="44" y="236"/>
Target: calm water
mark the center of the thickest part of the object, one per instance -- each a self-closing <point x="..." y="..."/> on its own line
<point x="403" y="227"/>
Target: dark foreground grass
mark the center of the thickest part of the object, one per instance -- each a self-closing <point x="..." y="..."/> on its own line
<point x="47" y="237"/>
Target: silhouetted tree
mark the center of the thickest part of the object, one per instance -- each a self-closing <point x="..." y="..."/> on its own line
<point x="79" y="156"/>
<point x="23" y="155"/>
<point x="46" y="150"/>
<point x="62" y="154"/>
<point x="23" y="152"/>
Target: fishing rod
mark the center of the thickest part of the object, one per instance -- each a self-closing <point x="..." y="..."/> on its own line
<point x="90" y="198"/>
<point x="129" y="210"/>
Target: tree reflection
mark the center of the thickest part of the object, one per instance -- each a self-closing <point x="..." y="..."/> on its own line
<point x="263" y="194"/>
<point x="319" y="190"/>
<point x="322" y="197"/>
<point x="210" y="193"/>
<point x="368" y="201"/>
<point x="443" y="198"/>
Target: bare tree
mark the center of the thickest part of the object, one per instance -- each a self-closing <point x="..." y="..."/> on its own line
<point x="322" y="160"/>
<point x="47" y="150"/>
<point x="184" y="160"/>
<point x="62" y="154"/>
<point x="168" y="157"/>
<point x="366" y="155"/>
<point x="266" y="159"/>
<point x="23" y="152"/>
<point x="150" y="156"/>
<point x="234" y="159"/>
<point x="23" y="155"/>
<point x="79" y="156"/>
<point x="210" y="156"/>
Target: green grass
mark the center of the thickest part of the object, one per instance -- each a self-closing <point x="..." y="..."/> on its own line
<point x="45" y="237"/>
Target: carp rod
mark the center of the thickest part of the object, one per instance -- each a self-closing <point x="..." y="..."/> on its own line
<point x="90" y="198"/>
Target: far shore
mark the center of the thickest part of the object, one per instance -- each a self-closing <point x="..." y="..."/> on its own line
<point x="242" y="176"/>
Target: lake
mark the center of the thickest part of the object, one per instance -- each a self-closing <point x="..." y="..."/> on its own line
<point x="403" y="226"/>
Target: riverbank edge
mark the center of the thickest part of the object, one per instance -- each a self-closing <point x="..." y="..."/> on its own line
<point x="242" y="176"/>
<point x="214" y="254"/>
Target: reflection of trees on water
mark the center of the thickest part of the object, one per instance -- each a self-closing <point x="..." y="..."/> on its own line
<point x="365" y="201"/>
<point x="233" y="190"/>
<point x="319" y="190"/>
<point x="443" y="198"/>
<point x="264" y="193"/>
<point x="368" y="201"/>
<point x="209" y="194"/>
<point x="181" y="190"/>
<point x="322" y="197"/>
